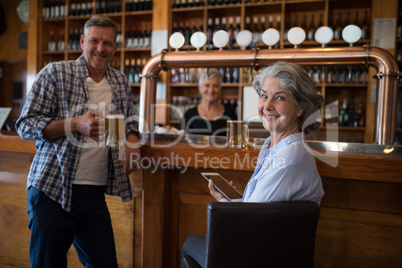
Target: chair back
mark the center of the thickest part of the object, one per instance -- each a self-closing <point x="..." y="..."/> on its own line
<point x="274" y="234"/>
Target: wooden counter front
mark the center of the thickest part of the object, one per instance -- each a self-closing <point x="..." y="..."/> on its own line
<point x="360" y="222"/>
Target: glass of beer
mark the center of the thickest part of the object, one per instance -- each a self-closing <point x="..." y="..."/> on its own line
<point x="115" y="134"/>
<point x="234" y="134"/>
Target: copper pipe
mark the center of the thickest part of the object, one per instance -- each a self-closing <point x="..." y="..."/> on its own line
<point x="380" y="59"/>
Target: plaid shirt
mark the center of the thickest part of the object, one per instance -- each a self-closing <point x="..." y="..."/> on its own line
<point x="59" y="92"/>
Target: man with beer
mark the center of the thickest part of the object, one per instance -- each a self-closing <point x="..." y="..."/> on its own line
<point x="73" y="167"/>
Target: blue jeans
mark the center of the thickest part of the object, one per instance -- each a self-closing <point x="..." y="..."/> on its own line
<point x="194" y="246"/>
<point x="87" y="226"/>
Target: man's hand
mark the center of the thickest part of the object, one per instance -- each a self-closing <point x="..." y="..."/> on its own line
<point x="132" y="154"/>
<point x="89" y="124"/>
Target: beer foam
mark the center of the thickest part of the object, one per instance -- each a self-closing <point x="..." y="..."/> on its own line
<point x="115" y="116"/>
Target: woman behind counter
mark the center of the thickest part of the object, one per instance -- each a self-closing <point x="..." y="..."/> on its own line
<point x="286" y="170"/>
<point x="208" y="117"/>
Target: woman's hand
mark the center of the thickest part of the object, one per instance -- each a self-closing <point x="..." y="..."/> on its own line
<point x="217" y="195"/>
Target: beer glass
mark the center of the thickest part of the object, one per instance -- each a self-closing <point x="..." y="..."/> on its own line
<point x="234" y="134"/>
<point x="115" y="134"/>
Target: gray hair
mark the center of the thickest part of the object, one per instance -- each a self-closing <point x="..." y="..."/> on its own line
<point x="208" y="74"/>
<point x="99" y="20"/>
<point x="296" y="81"/>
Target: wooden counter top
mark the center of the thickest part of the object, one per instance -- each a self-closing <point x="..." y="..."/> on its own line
<point x="347" y="165"/>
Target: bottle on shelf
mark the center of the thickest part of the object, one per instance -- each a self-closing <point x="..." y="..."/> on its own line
<point x="365" y="26"/>
<point x="311" y="29"/>
<point x="399" y="28"/>
<point x="46" y="10"/>
<point x="338" y="28"/>
<point x="278" y="28"/>
<point x="247" y="25"/>
<point x="127" y="68"/>
<point x="210" y="33"/>
<point x="320" y="22"/>
<point x="118" y="39"/>
<point x="61" y="44"/>
<point x="256" y="32"/>
<point x="304" y="24"/>
<point x="231" y="30"/>
<point x="52" y="42"/>
<point x="262" y="26"/>
<point x="347" y="19"/>
<point x="360" y="116"/>
<point x="129" y="38"/>
<point x="344" y="114"/>
<point x="130" y="3"/>
<point x="187" y="34"/>
<point x="356" y="19"/>
<point x="131" y="72"/>
<point x="136" y="104"/>
<point x="287" y="28"/>
<point x="351" y="115"/>
<point x="237" y="28"/>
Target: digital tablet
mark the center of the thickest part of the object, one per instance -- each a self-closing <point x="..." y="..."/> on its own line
<point x="222" y="185"/>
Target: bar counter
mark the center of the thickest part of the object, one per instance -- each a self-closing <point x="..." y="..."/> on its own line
<point x="360" y="222"/>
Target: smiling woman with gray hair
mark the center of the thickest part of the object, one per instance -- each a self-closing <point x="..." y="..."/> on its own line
<point x="286" y="169"/>
<point x="210" y="116"/>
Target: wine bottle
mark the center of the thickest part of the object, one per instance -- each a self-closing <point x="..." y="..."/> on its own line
<point x="338" y="28"/>
<point x="194" y="28"/>
<point x="183" y="3"/>
<point x="149" y="36"/>
<point x="127" y="68"/>
<point x="137" y="71"/>
<point x="52" y="42"/>
<point x="360" y="116"/>
<point x="295" y="22"/>
<point x="278" y="28"/>
<point x="61" y="43"/>
<point x="139" y="37"/>
<point x="231" y="33"/>
<point x="399" y="30"/>
<point x="347" y="19"/>
<point x="136" y="5"/>
<point x="51" y="7"/>
<point x="287" y="28"/>
<point x="311" y="29"/>
<point x="256" y="32"/>
<point x="46" y="10"/>
<point x="237" y="28"/>
<point x="70" y="39"/>
<point x="132" y="72"/>
<point x="320" y="22"/>
<point x="351" y="115"/>
<point x="235" y="75"/>
<point x="356" y="19"/>
<point x="56" y="9"/>
<point x="62" y="9"/>
<point x="223" y="24"/>
<point x="365" y="26"/>
<point x="187" y="34"/>
<point x="129" y="38"/>
<point x="118" y="39"/>
<point x="304" y="23"/>
<point x="344" y="114"/>
<point x="129" y="5"/>
<point x="210" y="33"/>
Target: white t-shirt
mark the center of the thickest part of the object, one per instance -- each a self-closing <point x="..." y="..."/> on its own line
<point x="93" y="165"/>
